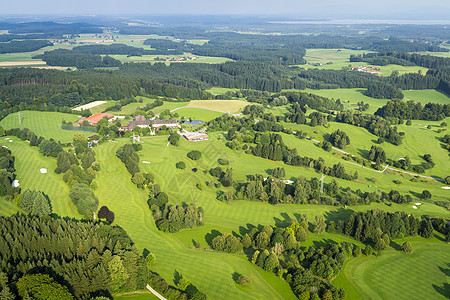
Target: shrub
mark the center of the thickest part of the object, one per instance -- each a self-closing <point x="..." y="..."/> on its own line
<point x="243" y="280"/>
<point x="181" y="165"/>
<point x="194" y="155"/>
<point x="224" y="161"/>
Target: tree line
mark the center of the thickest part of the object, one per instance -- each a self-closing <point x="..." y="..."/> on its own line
<point x="23" y="46"/>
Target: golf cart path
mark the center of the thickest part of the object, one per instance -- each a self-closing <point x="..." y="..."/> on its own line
<point x="385" y="167"/>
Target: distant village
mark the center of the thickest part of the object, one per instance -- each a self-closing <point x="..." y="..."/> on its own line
<point x="140" y="121"/>
<point x="367" y="69"/>
<point x="175" y="59"/>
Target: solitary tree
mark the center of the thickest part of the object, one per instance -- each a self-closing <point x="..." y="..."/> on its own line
<point x="407" y="247"/>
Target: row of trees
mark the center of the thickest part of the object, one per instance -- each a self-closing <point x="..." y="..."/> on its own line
<point x="46" y="147"/>
<point x="374" y="124"/>
<point x="411" y="110"/>
<point x="302" y="191"/>
<point x="7" y="171"/>
<point x="23" y="46"/>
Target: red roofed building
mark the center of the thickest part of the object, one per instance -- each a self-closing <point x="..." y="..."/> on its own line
<point x="93" y="120"/>
<point x="195" y="136"/>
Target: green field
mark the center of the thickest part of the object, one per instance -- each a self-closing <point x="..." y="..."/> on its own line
<point x="417" y="142"/>
<point x="28" y="164"/>
<point x="211" y="271"/>
<point x="197" y="113"/>
<point x="350" y="97"/>
<point x="425" y="270"/>
<point x="46" y="124"/>
<point x="425" y="96"/>
<point x="230" y="106"/>
<point x="220" y="91"/>
<point x="173" y="251"/>
<point x="339" y="59"/>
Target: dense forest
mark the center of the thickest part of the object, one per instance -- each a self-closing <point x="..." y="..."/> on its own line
<point x="23" y="46"/>
<point x="81" y="259"/>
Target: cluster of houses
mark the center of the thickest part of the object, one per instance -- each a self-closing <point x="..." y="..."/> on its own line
<point x="176" y="59"/>
<point x="367" y="69"/>
<point x="142" y="122"/>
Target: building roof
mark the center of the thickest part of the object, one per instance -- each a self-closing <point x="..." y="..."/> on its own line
<point x="195" y="135"/>
<point x="97" y="117"/>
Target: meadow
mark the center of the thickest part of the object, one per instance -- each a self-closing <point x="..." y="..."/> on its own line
<point x="426" y="96"/>
<point x="339" y="58"/>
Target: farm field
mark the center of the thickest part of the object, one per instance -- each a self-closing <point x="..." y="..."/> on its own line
<point x="378" y="278"/>
<point x="339" y="59"/>
<point x="230" y="106"/>
<point x="425" y="96"/>
<point x="46" y="124"/>
<point x="220" y="91"/>
<point x="197" y="113"/>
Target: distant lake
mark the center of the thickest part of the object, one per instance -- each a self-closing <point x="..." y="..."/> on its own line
<point x="345" y="21"/>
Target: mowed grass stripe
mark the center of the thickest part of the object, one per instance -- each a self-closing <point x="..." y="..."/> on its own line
<point x="398" y="276"/>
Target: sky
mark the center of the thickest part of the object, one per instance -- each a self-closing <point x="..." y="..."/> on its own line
<point x="337" y="9"/>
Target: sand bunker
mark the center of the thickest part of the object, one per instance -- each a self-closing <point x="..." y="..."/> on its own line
<point x="43" y="170"/>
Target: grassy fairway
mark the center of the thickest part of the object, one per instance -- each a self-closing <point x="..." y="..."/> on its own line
<point x="423" y="274"/>
<point x="210" y="272"/>
<point x="28" y="162"/>
<point x="46" y="124"/>
<point x="350" y="97"/>
<point x="7" y="208"/>
<point x="230" y="106"/>
<point x="417" y="142"/>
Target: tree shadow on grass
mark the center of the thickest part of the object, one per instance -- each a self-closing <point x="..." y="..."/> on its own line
<point x="285" y="222"/>
<point x="415" y="194"/>
<point x="177" y="277"/>
<point x="210" y="236"/>
<point x="323" y="243"/>
<point x="235" y="276"/>
<point x="363" y="152"/>
<point x="445" y="289"/>
<point x="396" y="246"/>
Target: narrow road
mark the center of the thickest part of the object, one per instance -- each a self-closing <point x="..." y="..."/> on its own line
<point x="223" y="112"/>
<point x="385" y="167"/>
<point x="155" y="292"/>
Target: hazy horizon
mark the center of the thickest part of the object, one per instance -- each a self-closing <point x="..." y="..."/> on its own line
<point x="324" y="9"/>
